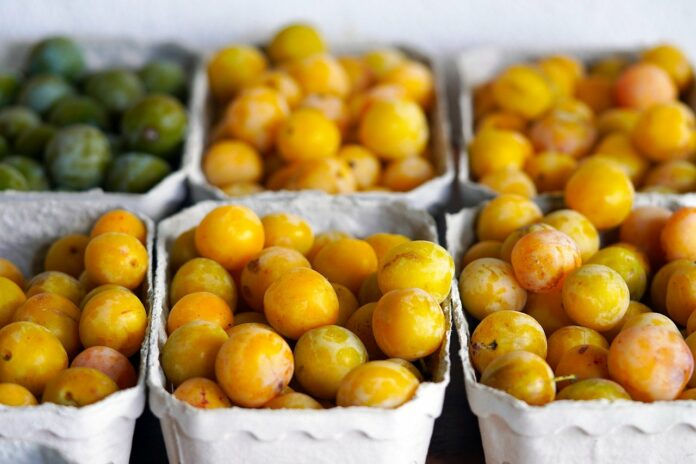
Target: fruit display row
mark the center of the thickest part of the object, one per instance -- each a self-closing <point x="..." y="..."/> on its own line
<point x="564" y="314"/>
<point x="538" y="119"/>
<point x="300" y="314"/>
<point x="66" y="126"/>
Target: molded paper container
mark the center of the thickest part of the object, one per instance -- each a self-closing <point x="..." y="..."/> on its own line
<point x="429" y="195"/>
<point x="566" y="431"/>
<point x="94" y="434"/>
<point x="337" y="435"/>
<point x="480" y="65"/>
<point x="165" y="197"/>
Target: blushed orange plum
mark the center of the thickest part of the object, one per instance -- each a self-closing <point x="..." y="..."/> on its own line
<point x="652" y="363"/>
<point x="543" y="259"/>
<point x="651" y="319"/>
<point x="287" y="230"/>
<point x="417" y="264"/>
<point x="503" y="332"/>
<point x="677" y="237"/>
<point x="594" y="389"/>
<point x="550" y="171"/>
<point x="120" y="220"/>
<point x="658" y="286"/>
<point x="408" y="324"/>
<point x="30" y="356"/>
<point x="230" y="235"/>
<point x="642" y="228"/>
<point x="577" y="227"/>
<point x="254" y="365"/>
<point x="346" y="261"/>
<point x="547" y="309"/>
<point x="377" y="384"/>
<point x="601" y="191"/>
<point x="116" y="258"/>
<point x="110" y="362"/>
<point x="191" y="350"/>
<point x="562" y="132"/>
<point x="673" y="61"/>
<point x="504" y="214"/>
<point x="642" y="85"/>
<point x="202" y="393"/>
<point x="67" y="254"/>
<point x="78" y="386"/>
<point x="12" y="394"/>
<point x="57" y="314"/>
<point x="199" y="306"/>
<point x="596" y="92"/>
<point x="494" y="150"/>
<point x="568" y="337"/>
<point x="300" y="300"/>
<point x="487" y="285"/>
<point x="522" y="374"/>
<point x="264" y="269"/>
<point x="56" y="282"/>
<point x="324" y="356"/>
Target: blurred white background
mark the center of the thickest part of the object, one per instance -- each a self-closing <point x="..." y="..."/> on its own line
<point x="439" y="25"/>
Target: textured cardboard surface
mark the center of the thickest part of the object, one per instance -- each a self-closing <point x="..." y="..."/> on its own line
<point x="337" y="435"/>
<point x="170" y="193"/>
<point x="98" y="433"/>
<point x="567" y="431"/>
<point x="430" y="195"/>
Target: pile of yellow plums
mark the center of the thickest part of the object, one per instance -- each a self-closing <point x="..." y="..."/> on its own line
<point x="552" y="124"/>
<point x="68" y="332"/>
<point x="339" y="124"/>
<point x="561" y="318"/>
<point x="264" y="314"/>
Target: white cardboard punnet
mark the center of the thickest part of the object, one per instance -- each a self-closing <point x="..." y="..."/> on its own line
<point x="100" y="53"/>
<point x="430" y="195"/>
<point x="94" y="434"/>
<point x="579" y="432"/>
<point x="337" y="435"/>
